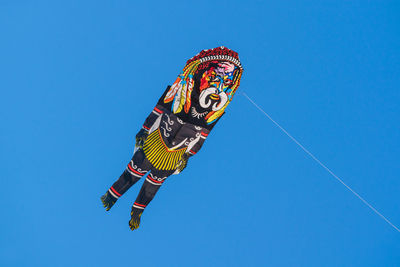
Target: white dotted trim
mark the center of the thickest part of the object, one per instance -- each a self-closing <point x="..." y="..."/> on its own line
<point x="222" y="57"/>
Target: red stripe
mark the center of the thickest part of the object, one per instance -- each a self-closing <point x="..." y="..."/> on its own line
<point x="159" y="111"/>
<point x="158" y="182"/>
<point x="147" y="128"/>
<point x="204" y="134"/>
<point x="115" y="191"/>
<point x="130" y="167"/>
<point x="191" y="151"/>
<point x="140" y="205"/>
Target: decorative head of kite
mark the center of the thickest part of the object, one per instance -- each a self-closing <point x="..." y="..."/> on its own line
<point x="215" y="75"/>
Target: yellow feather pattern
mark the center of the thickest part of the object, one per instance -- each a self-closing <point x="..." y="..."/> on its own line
<point x="159" y="155"/>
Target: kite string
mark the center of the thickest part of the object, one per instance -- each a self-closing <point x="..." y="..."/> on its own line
<point x="322" y="165"/>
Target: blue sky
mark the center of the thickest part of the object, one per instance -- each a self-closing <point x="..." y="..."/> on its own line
<point x="78" y="78"/>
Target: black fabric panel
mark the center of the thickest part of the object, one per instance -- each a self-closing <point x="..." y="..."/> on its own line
<point x="126" y="180"/>
<point x="186" y="116"/>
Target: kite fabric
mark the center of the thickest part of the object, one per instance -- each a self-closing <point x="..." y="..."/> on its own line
<point x="178" y="125"/>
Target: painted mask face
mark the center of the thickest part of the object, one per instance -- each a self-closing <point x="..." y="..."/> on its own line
<point x="215" y="86"/>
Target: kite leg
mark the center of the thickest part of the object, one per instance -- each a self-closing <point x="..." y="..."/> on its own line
<point x="135" y="170"/>
<point x="149" y="189"/>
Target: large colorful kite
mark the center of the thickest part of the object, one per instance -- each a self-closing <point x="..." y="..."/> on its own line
<point x="178" y="125"/>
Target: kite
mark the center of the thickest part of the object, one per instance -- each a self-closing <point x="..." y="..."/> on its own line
<point x="178" y="125"/>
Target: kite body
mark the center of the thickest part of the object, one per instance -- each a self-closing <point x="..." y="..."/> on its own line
<point x="178" y="125"/>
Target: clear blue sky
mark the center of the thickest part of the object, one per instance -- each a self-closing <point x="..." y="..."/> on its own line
<point x="78" y="79"/>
